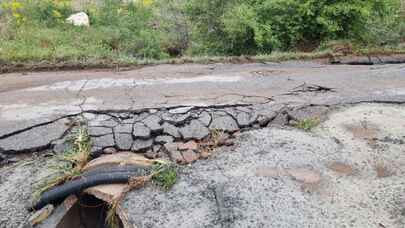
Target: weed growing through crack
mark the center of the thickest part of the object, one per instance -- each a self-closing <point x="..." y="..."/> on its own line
<point x="164" y="175"/>
<point x="69" y="164"/>
<point x="215" y="136"/>
<point x="112" y="220"/>
<point x="307" y="124"/>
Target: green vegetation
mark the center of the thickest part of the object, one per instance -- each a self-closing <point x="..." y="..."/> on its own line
<point x="164" y="175"/>
<point x="307" y="124"/>
<point x="35" y="31"/>
<point x="68" y="165"/>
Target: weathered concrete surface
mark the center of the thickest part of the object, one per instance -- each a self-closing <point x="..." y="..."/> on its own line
<point x="17" y="183"/>
<point x="271" y="177"/>
<point x="228" y="191"/>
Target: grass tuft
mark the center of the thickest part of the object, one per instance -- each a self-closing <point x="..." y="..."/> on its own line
<point x="307" y="124"/>
<point x="112" y="219"/>
<point x="69" y="164"/>
<point x="164" y="175"/>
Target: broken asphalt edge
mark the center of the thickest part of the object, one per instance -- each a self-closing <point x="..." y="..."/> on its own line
<point x="287" y="107"/>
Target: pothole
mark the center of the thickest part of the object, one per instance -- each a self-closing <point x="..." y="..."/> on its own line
<point x="368" y="122"/>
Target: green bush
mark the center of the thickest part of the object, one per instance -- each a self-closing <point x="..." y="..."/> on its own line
<point x="47" y="12"/>
<point x="35" y="30"/>
<point x="260" y="26"/>
<point x="133" y="32"/>
<point x="35" y="43"/>
<point x="384" y="26"/>
<point x="174" y="26"/>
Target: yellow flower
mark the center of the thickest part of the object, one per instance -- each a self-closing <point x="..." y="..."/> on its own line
<point x="16" y="5"/>
<point x="56" y="14"/>
<point x="147" y="2"/>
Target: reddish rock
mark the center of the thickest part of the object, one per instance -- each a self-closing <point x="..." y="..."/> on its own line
<point x="383" y="171"/>
<point x="204" y="154"/>
<point x="110" y="150"/>
<point x="151" y="154"/>
<point x="341" y="168"/>
<point x="174" y="153"/>
<point x="176" y="156"/>
<point x="306" y="176"/>
<point x="269" y="172"/>
<point x="190" y="156"/>
<point x="190" y="145"/>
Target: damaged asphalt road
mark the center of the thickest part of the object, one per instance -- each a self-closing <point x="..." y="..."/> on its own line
<point x="269" y="175"/>
<point x="43" y="104"/>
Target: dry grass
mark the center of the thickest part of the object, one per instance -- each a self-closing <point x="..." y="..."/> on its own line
<point x="68" y="165"/>
<point x="121" y="63"/>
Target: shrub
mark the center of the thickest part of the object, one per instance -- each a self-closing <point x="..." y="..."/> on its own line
<point x="260" y="26"/>
<point x="385" y="26"/>
<point x="35" y="30"/>
<point x="173" y="24"/>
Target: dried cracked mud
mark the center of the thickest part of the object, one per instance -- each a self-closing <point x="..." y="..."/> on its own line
<point x="347" y="172"/>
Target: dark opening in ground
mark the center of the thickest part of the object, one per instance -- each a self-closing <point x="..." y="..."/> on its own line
<point x="88" y="212"/>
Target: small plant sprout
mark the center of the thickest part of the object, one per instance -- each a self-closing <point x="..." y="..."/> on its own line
<point x="307" y="124"/>
<point x="164" y="174"/>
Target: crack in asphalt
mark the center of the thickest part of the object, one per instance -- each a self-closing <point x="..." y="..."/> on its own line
<point x="114" y="113"/>
<point x="310" y="88"/>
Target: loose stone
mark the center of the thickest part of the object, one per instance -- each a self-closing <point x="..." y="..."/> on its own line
<point x="194" y="130"/>
<point x="180" y="110"/>
<point x="244" y="119"/>
<point x="176" y="118"/>
<point x="153" y="123"/>
<point x="124" y="141"/>
<point x="110" y="150"/>
<point x="171" y="130"/>
<point x="191" y="145"/>
<point x="225" y="123"/>
<point x="173" y="152"/>
<point x="141" y="131"/>
<point x="190" y="156"/>
<point x="99" y="131"/>
<point x="123" y="128"/>
<point x="164" y="139"/>
<point x="205" y="118"/>
<point x="142" y="145"/>
<point x="103" y="141"/>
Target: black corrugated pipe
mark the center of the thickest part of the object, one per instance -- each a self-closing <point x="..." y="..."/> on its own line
<point x="138" y="170"/>
<point x="59" y="193"/>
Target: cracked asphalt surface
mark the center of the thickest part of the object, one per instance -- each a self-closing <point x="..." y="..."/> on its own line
<point x="40" y="95"/>
<point x="37" y="108"/>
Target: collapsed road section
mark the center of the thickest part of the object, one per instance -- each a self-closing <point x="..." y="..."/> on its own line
<point x="152" y="130"/>
<point x="345" y="169"/>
